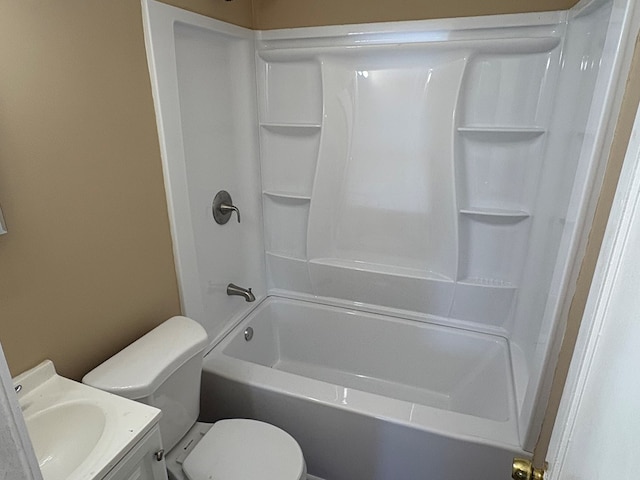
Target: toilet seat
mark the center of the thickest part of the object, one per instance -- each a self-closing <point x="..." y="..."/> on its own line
<point x="241" y="449"/>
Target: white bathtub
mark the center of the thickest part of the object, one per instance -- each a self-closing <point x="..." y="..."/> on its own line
<point x="369" y="396"/>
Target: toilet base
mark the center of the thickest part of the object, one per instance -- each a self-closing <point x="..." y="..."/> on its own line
<point x="177" y="455"/>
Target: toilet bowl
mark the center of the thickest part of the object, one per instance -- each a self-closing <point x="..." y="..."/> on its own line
<point x="163" y="369"/>
<point x="239" y="449"/>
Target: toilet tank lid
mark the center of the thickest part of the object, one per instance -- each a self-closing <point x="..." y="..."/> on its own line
<point x="138" y="370"/>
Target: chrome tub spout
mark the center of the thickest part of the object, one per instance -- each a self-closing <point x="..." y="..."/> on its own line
<point x="243" y="292"/>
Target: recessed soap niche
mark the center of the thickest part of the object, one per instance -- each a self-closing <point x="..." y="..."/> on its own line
<point x="498" y="169"/>
<point x="289" y="159"/>
<point x="504" y="90"/>
<point x="491" y="113"/>
<point x="291" y="91"/>
<point x="287" y="217"/>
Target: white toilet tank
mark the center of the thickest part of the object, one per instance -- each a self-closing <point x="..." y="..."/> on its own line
<point x="163" y="369"/>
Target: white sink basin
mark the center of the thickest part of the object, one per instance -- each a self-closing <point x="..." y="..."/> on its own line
<point x="80" y="425"/>
<point x="78" y="432"/>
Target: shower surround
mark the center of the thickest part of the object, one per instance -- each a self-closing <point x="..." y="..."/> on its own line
<point x="433" y="175"/>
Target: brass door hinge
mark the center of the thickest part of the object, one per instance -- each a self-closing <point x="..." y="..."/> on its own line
<point x="523" y="469"/>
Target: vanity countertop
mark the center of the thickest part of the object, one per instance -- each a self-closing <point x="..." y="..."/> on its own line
<point x="78" y="432"/>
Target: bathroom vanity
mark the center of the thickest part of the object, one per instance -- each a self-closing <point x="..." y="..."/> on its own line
<point x="144" y="461"/>
<point x="81" y="433"/>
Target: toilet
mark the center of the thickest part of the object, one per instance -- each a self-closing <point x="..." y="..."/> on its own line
<point x="163" y="369"/>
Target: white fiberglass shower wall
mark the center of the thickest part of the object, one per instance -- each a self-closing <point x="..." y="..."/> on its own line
<point x="438" y="171"/>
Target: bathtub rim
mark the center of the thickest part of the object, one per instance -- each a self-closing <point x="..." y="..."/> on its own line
<point x="367" y="308"/>
<point x="460" y="426"/>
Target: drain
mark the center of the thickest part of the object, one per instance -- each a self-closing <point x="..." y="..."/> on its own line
<point x="248" y="334"/>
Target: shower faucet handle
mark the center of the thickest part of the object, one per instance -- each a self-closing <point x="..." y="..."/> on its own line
<point x="230" y="208"/>
<point x="223" y="207"/>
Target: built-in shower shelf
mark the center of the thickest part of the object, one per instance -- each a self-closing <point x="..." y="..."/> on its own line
<point x="486" y="282"/>
<point x="380" y="268"/>
<point x="502" y="133"/>
<point x="292" y="128"/>
<point x="287" y="196"/>
<point x="286" y="257"/>
<point x="515" y="215"/>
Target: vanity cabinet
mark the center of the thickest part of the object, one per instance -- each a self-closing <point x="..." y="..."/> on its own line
<point x="141" y="462"/>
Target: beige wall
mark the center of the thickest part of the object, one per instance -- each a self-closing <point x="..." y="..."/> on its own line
<point x="238" y="12"/>
<point x="87" y="265"/>
<point x="270" y="14"/>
